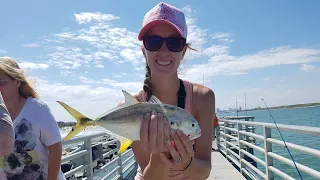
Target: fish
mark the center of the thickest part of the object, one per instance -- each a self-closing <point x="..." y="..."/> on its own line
<point x="125" y="119"/>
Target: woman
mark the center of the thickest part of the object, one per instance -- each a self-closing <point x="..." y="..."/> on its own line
<point x="164" y="34"/>
<point x="6" y="130"/>
<point x="37" y="148"/>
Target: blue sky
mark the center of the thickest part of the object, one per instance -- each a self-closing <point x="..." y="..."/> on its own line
<point x="85" y="52"/>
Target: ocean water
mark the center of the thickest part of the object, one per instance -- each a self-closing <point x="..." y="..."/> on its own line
<point x="295" y="116"/>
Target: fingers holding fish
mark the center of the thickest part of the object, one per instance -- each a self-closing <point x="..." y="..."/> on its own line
<point x="186" y="143"/>
<point x="153" y="132"/>
<point x="166" y="133"/>
<point x="144" y="131"/>
<point x="178" y="144"/>
<point x="181" y="152"/>
<point x="160" y="138"/>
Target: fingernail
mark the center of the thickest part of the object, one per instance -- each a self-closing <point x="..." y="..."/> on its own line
<point x="160" y="115"/>
<point x="169" y="143"/>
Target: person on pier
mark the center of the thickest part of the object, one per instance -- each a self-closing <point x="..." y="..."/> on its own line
<point x="164" y="44"/>
<point x="37" y="148"/>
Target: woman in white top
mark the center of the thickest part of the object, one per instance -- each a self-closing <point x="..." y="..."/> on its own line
<point x="37" y="146"/>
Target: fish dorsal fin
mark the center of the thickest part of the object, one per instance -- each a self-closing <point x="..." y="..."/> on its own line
<point x="129" y="99"/>
<point x="154" y="99"/>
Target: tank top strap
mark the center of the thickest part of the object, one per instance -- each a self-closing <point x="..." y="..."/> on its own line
<point x="189" y="94"/>
<point x="142" y="97"/>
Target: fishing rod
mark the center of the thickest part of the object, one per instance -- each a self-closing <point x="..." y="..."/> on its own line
<point x="285" y="145"/>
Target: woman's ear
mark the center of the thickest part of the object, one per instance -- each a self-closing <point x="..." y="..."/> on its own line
<point x="18" y="83"/>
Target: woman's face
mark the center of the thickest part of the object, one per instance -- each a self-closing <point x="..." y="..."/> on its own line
<point x="163" y="61"/>
<point x="8" y="87"/>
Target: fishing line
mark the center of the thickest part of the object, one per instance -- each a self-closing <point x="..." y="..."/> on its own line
<point x="285" y="145"/>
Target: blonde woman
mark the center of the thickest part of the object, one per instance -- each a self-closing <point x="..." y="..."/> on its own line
<point x="37" y="147"/>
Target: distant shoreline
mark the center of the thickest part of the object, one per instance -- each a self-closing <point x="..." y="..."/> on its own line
<point x="306" y="105"/>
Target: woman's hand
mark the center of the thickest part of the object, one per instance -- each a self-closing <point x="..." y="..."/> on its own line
<point x="181" y="151"/>
<point x="154" y="133"/>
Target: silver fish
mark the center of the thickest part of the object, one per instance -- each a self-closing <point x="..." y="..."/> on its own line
<point x="125" y="120"/>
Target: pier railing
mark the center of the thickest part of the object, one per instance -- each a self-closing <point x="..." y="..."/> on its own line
<point x="234" y="142"/>
<point x="85" y="159"/>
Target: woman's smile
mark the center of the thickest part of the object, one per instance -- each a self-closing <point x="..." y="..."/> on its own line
<point x="164" y="62"/>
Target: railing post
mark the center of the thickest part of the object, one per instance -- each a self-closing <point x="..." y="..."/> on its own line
<point x="217" y="133"/>
<point x="120" y="166"/>
<point x="226" y="138"/>
<point x="88" y="158"/>
<point x="268" y="148"/>
<point x="241" y="155"/>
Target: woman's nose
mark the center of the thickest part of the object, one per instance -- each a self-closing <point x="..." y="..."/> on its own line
<point x="164" y="49"/>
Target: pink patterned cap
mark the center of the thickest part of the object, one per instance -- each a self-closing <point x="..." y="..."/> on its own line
<point x="164" y="13"/>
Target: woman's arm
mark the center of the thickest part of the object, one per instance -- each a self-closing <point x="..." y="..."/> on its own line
<point x="6" y="130"/>
<point x="55" y="153"/>
<point x="195" y="163"/>
<point x="204" y="103"/>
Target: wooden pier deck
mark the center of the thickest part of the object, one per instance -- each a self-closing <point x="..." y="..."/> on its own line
<point x="222" y="169"/>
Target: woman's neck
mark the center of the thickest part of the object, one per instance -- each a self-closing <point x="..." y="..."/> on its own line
<point x="166" y="88"/>
<point x="15" y="106"/>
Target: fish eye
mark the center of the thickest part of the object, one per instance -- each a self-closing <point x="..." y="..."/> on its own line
<point x="192" y="124"/>
<point x="171" y="123"/>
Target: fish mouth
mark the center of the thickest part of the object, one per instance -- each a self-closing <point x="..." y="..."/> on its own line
<point x="196" y="136"/>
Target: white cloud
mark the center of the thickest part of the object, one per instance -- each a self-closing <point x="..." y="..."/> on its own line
<point x="2" y="51"/>
<point x="222" y="37"/>
<point x="135" y="86"/>
<point x="33" y="66"/>
<point x="103" y="43"/>
<point x="307" y="67"/>
<point x="89" y="99"/>
<point x="31" y="45"/>
<point x="87" y="17"/>
<point x="225" y="64"/>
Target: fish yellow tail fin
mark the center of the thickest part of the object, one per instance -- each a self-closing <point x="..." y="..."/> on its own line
<point x="82" y="121"/>
<point x="125" y="143"/>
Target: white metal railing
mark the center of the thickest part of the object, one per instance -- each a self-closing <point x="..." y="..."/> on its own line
<point x="233" y="135"/>
<point x="82" y="158"/>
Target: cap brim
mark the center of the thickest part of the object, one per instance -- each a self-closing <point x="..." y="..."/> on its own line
<point x="146" y="28"/>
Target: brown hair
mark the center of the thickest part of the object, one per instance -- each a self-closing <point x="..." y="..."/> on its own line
<point x="10" y="67"/>
<point x="148" y="80"/>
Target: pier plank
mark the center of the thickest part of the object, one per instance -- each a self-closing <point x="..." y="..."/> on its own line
<point x="222" y="169"/>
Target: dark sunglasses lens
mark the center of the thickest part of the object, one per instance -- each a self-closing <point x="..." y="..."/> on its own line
<point x="152" y="43"/>
<point x="175" y="44"/>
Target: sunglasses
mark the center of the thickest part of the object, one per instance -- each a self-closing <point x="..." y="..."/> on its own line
<point x="154" y="43"/>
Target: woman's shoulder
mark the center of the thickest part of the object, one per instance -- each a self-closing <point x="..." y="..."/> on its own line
<point x="202" y="92"/>
<point x="37" y="105"/>
<point x="203" y="98"/>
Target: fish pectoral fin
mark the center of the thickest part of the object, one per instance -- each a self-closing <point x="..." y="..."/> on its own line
<point x="154" y="99"/>
<point x="125" y="143"/>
